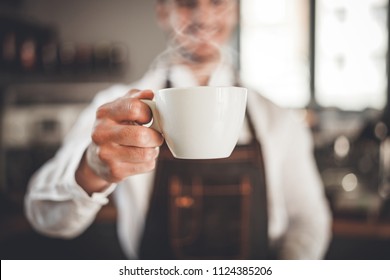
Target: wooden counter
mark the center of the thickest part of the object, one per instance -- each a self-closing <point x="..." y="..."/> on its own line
<point x="375" y="229"/>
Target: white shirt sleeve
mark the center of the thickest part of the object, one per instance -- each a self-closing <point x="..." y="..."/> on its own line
<point x="309" y="220"/>
<point x="299" y="215"/>
<point x="55" y="204"/>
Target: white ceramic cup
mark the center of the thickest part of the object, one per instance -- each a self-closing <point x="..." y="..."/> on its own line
<point x="199" y="122"/>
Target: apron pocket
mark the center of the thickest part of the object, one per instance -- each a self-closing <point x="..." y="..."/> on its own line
<point x="209" y="221"/>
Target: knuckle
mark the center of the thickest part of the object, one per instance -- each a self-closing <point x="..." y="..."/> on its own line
<point x="151" y="165"/>
<point x="135" y="108"/>
<point x="115" y="172"/>
<point x="101" y="112"/>
<point x="160" y="141"/>
<point x="104" y="154"/>
<point x="96" y="136"/>
<point x="133" y="91"/>
<point x="98" y="132"/>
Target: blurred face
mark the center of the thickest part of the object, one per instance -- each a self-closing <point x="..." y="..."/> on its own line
<point x="198" y="28"/>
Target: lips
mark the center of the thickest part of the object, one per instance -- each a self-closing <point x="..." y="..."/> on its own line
<point x="202" y="33"/>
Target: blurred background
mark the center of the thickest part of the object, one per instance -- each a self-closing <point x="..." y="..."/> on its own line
<point x="327" y="59"/>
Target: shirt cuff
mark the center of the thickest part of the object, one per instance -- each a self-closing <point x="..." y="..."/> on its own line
<point x="97" y="197"/>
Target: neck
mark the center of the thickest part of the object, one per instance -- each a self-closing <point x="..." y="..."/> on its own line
<point x="202" y="68"/>
<point x="203" y="71"/>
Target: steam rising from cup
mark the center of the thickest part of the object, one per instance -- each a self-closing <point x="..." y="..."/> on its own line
<point x="199" y="32"/>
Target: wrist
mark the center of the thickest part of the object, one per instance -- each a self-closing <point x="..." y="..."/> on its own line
<point x="88" y="179"/>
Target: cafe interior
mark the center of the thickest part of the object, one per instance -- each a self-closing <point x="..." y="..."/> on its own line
<point x="326" y="59"/>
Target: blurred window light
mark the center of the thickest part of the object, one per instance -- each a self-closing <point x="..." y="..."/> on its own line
<point x="275" y="49"/>
<point x="351" y="42"/>
<point x="351" y="47"/>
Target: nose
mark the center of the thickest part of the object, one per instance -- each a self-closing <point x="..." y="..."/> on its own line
<point x="203" y="15"/>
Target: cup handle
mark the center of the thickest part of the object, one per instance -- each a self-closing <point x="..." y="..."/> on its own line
<point x="154" y="123"/>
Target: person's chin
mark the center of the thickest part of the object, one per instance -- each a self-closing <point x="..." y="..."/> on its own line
<point x="207" y="48"/>
<point x="203" y="55"/>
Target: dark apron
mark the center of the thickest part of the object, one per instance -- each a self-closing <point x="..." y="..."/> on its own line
<point x="208" y="209"/>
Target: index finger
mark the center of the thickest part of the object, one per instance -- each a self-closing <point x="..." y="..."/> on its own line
<point x="128" y="109"/>
<point x="141" y="94"/>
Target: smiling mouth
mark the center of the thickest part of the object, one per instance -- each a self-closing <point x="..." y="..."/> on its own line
<point x="201" y="33"/>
